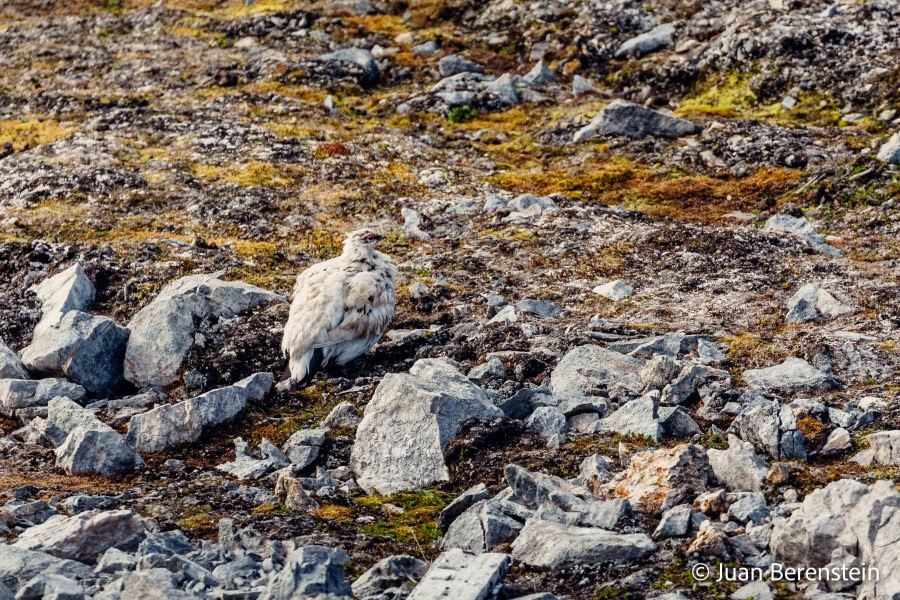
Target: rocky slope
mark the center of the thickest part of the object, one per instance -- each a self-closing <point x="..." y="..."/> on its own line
<point x="648" y="295"/>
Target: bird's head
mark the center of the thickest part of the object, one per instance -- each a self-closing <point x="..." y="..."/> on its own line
<point x="362" y="241"/>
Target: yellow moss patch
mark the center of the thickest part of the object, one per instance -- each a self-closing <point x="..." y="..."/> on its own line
<point x="589" y="183"/>
<point x="389" y="25"/>
<point x="199" y="520"/>
<point x="30" y="133"/>
<point x="239" y="8"/>
<point x="750" y="352"/>
<point x="731" y="97"/>
<point x="252" y="174"/>
<point x="616" y="180"/>
<point x="334" y="512"/>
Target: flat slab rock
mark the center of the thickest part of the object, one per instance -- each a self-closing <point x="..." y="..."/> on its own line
<point x="591" y="367"/>
<point x="627" y="119"/>
<point x="548" y="544"/>
<point x="85" y="536"/>
<point x="19" y="565"/>
<point x="793" y="375"/>
<point x="462" y="576"/>
<point x="184" y="422"/>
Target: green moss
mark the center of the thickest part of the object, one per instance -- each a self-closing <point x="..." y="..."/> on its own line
<point x="199" y="520"/>
<point x="417" y="524"/>
<point x="461" y="114"/>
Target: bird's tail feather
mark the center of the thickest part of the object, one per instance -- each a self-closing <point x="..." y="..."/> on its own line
<point x="305" y="367"/>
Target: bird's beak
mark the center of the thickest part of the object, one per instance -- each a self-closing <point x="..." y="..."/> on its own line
<point x="378" y="237"/>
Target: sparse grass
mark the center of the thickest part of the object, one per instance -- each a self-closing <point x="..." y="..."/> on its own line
<point x="270" y="509"/>
<point x="26" y="134"/>
<point x="297" y="92"/>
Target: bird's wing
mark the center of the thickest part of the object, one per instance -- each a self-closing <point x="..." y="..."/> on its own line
<point x="333" y="305"/>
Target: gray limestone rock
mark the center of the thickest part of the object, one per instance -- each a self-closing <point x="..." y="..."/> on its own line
<point x="738" y="467"/>
<point x="106" y="453"/>
<point x="626" y="119"/>
<point x="391" y="572"/>
<point x="408" y="423"/>
<point x="85" y="536"/>
<point x="552" y="545"/>
<point x="462" y="576"/>
<point x="793" y="375"/>
<point x="656" y="39"/>
<point x="84" y="348"/>
<point x="11" y="366"/>
<point x="310" y="572"/>
<point x="183" y="422"/>
<point x="803" y="230"/>
<point x="357" y="56"/>
<point x="164" y="331"/>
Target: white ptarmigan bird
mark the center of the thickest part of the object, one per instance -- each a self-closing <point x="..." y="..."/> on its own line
<point x="340" y="308"/>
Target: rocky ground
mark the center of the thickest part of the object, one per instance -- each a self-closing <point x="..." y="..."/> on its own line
<point x="648" y="258"/>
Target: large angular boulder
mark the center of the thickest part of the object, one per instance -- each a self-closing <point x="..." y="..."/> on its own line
<point x="462" y="502"/>
<point x="66" y="291"/>
<point x="738" y="467"/>
<point x="162" y="332"/>
<point x="637" y="417"/>
<point x="570" y="503"/>
<point x="357" y="56"/>
<point x="626" y="119"/>
<point x="846" y="522"/>
<point x="552" y="545"/>
<point x="391" y="572"/>
<point x="462" y="576"/>
<point x="85" y="536"/>
<point x="761" y="423"/>
<point x="485" y="525"/>
<point x="106" y="453"/>
<point x="587" y="368"/>
<point x="793" y="375"/>
<point x="657" y="480"/>
<point x="18" y="566"/>
<point x="884" y="449"/>
<point x="184" y="422"/>
<point x="310" y="572"/>
<point x="23" y="394"/>
<point x="64" y="416"/>
<point x="11" y="366"/>
<point x="84" y="348"/>
<point x="409" y="422"/>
